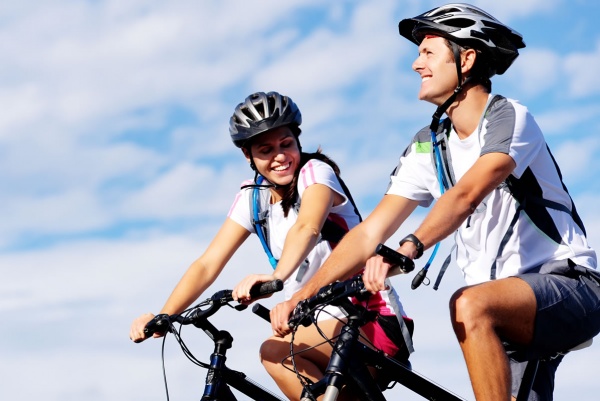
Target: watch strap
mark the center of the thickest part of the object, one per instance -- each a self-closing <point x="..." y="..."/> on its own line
<point x="418" y="244"/>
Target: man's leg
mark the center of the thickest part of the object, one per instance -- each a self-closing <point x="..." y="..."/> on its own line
<point x="481" y="315"/>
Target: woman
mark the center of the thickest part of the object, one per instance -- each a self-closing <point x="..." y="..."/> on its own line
<point x="302" y="200"/>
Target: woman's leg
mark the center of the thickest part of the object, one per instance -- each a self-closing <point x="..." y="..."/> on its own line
<point x="311" y="363"/>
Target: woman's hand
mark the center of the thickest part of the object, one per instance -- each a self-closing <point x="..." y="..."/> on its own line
<point x="136" y="332"/>
<point x="241" y="292"/>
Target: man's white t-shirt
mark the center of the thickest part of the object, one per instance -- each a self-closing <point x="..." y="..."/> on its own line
<point x="540" y="234"/>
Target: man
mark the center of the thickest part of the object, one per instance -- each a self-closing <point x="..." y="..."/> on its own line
<point x="533" y="290"/>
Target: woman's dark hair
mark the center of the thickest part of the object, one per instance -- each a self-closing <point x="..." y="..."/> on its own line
<point x="291" y="194"/>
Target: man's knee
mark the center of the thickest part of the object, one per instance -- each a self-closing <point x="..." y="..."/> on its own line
<point x="463" y="303"/>
<point x="468" y="310"/>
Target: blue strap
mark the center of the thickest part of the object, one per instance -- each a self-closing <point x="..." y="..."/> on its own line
<point x="438" y="161"/>
<point x="258" y="223"/>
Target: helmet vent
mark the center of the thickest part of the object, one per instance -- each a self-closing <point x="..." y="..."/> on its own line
<point x="459" y="22"/>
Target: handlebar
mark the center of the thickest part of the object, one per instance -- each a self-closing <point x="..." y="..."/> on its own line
<point x="353" y="287"/>
<point x="403" y="263"/>
<point x="162" y="322"/>
<point x="330" y="295"/>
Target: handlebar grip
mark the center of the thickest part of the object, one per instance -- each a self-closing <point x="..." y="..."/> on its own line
<point x="158" y="324"/>
<point x="405" y="264"/>
<point x="261" y="311"/>
<point x="266" y="288"/>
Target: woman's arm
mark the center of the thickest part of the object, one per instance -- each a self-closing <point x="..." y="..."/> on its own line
<point x="317" y="201"/>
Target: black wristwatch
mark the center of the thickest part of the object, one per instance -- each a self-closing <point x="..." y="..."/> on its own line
<point x="412" y="238"/>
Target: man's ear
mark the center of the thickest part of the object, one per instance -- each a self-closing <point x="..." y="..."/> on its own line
<point x="467" y="59"/>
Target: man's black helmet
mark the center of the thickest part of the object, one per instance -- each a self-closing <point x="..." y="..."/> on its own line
<point x="469" y="26"/>
<point x="261" y="112"/>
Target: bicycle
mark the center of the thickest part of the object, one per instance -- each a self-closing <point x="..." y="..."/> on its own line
<point x="350" y="357"/>
<point x="219" y="378"/>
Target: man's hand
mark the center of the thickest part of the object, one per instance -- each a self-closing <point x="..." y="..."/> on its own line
<point x="280" y="315"/>
<point x="375" y="273"/>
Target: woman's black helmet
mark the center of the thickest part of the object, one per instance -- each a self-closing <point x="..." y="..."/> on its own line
<point x="261" y="112"/>
<point x="467" y="26"/>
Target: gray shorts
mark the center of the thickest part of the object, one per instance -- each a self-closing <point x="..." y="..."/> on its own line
<point x="568" y="314"/>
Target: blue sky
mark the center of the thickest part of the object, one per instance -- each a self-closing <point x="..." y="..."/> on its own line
<point x="116" y="165"/>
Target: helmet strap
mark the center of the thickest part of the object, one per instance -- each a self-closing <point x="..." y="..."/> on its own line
<point x="257" y="175"/>
<point x="439" y="112"/>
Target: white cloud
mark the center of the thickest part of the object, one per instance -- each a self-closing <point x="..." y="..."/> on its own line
<point x="569" y="122"/>
<point x="537" y="71"/>
<point x="580" y="69"/>
<point x="186" y="191"/>
<point x="116" y="113"/>
<point x="513" y="9"/>
<point x="577" y="159"/>
<point x="330" y="60"/>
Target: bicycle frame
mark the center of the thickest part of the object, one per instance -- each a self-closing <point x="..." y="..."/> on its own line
<point x="349" y="361"/>
<point x="219" y="377"/>
<point x="350" y="357"/>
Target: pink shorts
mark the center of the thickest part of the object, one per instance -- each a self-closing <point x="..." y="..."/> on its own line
<point x="378" y="337"/>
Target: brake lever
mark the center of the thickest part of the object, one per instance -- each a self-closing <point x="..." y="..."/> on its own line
<point x="299" y="315"/>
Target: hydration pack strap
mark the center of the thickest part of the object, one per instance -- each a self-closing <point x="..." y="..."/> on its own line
<point x="446" y="173"/>
<point x="406" y="335"/>
<point x="259" y="220"/>
<point x="521" y="206"/>
<point x="504" y="241"/>
<point x="442" y="271"/>
<point x="331" y="231"/>
<point x="259" y="201"/>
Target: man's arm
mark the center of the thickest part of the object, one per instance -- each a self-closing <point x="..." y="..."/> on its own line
<point x="448" y="213"/>
<point x="350" y="255"/>
<point x="452" y="209"/>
